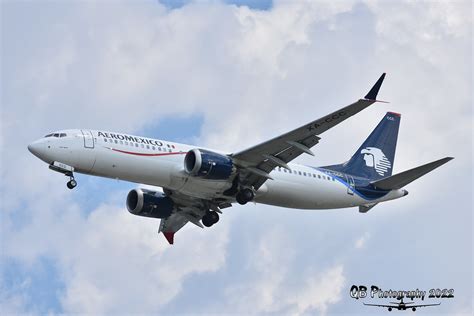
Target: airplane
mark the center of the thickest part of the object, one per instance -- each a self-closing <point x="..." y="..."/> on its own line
<point x="401" y="306"/>
<point x="198" y="182"/>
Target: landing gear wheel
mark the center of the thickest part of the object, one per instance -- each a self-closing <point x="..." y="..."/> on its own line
<point x="206" y="221"/>
<point x="71" y="184"/>
<point x="244" y="196"/>
<point x="210" y="219"/>
<point x="240" y="199"/>
<point x="214" y="217"/>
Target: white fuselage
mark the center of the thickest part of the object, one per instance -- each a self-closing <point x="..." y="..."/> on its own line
<point x="161" y="163"/>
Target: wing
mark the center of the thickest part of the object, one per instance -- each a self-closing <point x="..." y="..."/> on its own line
<point x="170" y="225"/>
<point x="258" y="161"/>
<point x="380" y="305"/>
<point x="424" y="305"/>
<point x="188" y="209"/>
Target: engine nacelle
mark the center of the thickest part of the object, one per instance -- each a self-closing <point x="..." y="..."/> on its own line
<point x="150" y="204"/>
<point x="209" y="165"/>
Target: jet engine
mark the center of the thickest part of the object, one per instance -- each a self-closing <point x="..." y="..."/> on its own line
<point x="149" y="204"/>
<point x="207" y="164"/>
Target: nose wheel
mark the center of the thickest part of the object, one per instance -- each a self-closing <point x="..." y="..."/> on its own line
<point x="71" y="184"/>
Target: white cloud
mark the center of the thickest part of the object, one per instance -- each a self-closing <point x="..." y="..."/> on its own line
<point x="252" y="75"/>
<point x="112" y="261"/>
<point x="275" y="287"/>
<point x="360" y="242"/>
<point x="12" y="300"/>
<point x="319" y="291"/>
<point x="140" y="273"/>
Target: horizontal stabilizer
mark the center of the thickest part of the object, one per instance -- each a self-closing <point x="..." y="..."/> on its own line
<point x="400" y="180"/>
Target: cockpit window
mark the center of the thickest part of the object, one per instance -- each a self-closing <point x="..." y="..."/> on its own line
<point x="56" y="135"/>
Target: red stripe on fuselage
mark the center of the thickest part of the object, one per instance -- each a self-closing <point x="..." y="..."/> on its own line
<point x="145" y="154"/>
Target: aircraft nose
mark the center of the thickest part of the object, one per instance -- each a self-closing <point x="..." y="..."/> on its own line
<point x="36" y="148"/>
<point x="31" y="148"/>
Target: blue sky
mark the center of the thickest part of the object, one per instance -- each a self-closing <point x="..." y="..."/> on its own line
<point x="228" y="76"/>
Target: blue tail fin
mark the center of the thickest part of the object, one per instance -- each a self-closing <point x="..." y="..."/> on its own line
<point x="374" y="159"/>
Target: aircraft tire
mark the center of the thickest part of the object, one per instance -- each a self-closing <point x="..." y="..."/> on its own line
<point x="71" y="184"/>
<point x="206" y="221"/>
<point x="210" y="219"/>
<point x="244" y="196"/>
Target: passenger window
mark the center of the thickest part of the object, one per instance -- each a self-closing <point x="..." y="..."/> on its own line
<point x="299" y="172"/>
<point x="105" y="139"/>
<point x="126" y="143"/>
<point x="319" y="176"/>
<point x="142" y="146"/>
<point x="169" y="150"/>
<point x="121" y="142"/>
<point x="147" y="146"/>
<point x="314" y="176"/>
<point x="136" y="145"/>
<point x="304" y="173"/>
<point x="153" y="147"/>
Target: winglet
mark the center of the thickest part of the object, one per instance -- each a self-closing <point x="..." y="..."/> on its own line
<point x="169" y="236"/>
<point x="372" y="95"/>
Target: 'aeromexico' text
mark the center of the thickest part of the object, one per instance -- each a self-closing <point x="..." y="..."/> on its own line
<point x="139" y="140"/>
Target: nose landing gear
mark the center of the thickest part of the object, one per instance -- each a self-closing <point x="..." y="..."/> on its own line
<point x="67" y="171"/>
<point x="71" y="184"/>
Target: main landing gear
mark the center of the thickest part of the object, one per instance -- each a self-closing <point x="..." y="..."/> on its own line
<point x="72" y="183"/>
<point x="244" y="196"/>
<point x="210" y="218"/>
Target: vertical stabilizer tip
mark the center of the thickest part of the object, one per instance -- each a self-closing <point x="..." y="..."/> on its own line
<point x="394" y="113"/>
<point x="372" y="95"/>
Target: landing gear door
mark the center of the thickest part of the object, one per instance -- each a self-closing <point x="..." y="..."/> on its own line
<point x="88" y="139"/>
<point x="351" y="187"/>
